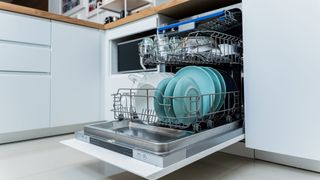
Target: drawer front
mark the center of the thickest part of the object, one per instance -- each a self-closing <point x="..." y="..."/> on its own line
<point x="22" y="28"/>
<point x="25" y="102"/>
<point x="23" y="57"/>
<point x="136" y="27"/>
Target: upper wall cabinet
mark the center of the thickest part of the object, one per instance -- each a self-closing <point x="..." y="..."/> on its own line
<point x="281" y="69"/>
<point x="75" y="70"/>
<point x="26" y="29"/>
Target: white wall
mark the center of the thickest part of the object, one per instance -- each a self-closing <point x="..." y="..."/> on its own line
<point x="54" y="6"/>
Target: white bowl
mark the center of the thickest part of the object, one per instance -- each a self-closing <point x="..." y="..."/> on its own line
<point x="227" y="49"/>
<point x="198" y="44"/>
<point x="145" y="89"/>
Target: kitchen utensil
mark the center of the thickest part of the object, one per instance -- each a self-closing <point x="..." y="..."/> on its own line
<point x="186" y="107"/>
<point x="158" y="98"/>
<point x="227" y="49"/>
<point x="175" y="43"/>
<point x="162" y="47"/>
<point x="217" y="85"/>
<point x="230" y="87"/>
<point x="223" y="87"/>
<point x="110" y="19"/>
<point x="204" y="82"/>
<point x="216" y="52"/>
<point x="123" y="14"/>
<point x="146" y="47"/>
<point x="198" y="44"/>
<point x="168" y="95"/>
<point x="145" y="86"/>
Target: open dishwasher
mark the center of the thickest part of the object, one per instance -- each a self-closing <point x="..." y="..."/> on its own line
<point x="153" y="140"/>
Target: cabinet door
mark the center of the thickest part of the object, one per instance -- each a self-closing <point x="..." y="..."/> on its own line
<point x="24" y="102"/>
<point x="75" y="70"/>
<point x="24" y="58"/>
<point x="23" y="28"/>
<point x="281" y="69"/>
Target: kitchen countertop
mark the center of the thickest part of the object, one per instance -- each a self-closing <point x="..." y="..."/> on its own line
<point x="174" y="9"/>
<point x="47" y="15"/>
<point x="145" y="13"/>
<point x="58" y="17"/>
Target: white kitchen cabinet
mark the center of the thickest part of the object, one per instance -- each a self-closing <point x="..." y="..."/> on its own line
<point x="24" y="57"/>
<point x="281" y="70"/>
<point x="135" y="27"/>
<point x="24" y="102"/>
<point x="22" y="28"/>
<point x="75" y="70"/>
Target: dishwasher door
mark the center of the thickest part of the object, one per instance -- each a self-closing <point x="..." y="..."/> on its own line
<point x="147" y="170"/>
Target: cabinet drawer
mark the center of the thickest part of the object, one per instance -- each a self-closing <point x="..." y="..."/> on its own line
<point x="25" y="102"/>
<point x="22" y="28"/>
<point x="136" y="27"/>
<point x="23" y="57"/>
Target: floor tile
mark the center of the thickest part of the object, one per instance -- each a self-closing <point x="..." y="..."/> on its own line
<point x="48" y="159"/>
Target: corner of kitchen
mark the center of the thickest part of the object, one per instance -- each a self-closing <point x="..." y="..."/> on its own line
<point x="158" y="89"/>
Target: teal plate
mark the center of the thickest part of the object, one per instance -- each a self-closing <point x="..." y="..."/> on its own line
<point x="185" y="103"/>
<point x="204" y="82"/>
<point x="167" y="99"/>
<point x="158" y="101"/>
<point x="217" y="85"/>
<point x="223" y="87"/>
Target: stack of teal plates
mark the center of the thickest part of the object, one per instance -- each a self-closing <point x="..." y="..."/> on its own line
<point x="194" y="91"/>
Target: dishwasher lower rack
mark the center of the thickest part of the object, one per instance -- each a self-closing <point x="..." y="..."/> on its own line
<point x="158" y="146"/>
<point x="142" y="105"/>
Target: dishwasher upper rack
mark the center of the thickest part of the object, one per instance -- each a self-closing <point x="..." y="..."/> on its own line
<point x="197" y="48"/>
<point x="231" y="19"/>
<point x="221" y="21"/>
<point x="125" y="108"/>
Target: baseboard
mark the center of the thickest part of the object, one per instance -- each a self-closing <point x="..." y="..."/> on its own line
<point x="301" y="163"/>
<point x="240" y="149"/>
<point x="39" y="133"/>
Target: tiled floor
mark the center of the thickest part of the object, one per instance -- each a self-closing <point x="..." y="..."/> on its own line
<point x="47" y="159"/>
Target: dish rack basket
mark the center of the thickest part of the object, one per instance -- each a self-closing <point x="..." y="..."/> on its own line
<point x="125" y="107"/>
<point x="222" y="21"/>
<point x="207" y="42"/>
<point x="197" y="48"/>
